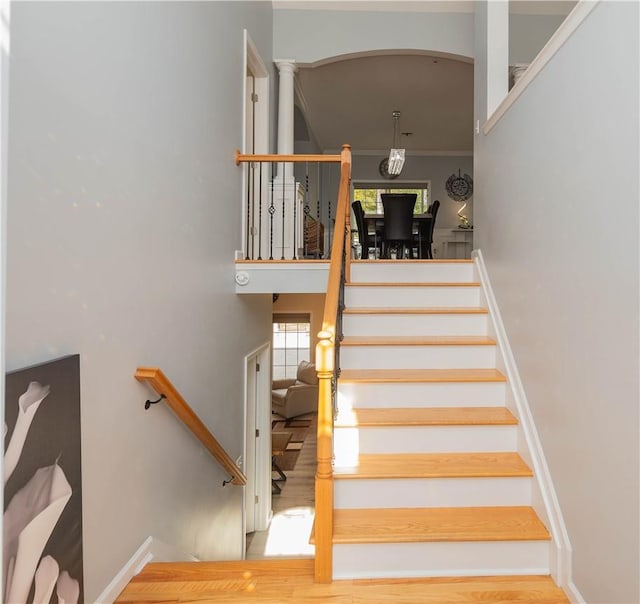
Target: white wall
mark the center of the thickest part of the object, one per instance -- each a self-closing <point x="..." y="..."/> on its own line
<point x="309" y="36"/>
<point x="556" y="216"/>
<point x="5" y="16"/>
<point x="123" y="215"/>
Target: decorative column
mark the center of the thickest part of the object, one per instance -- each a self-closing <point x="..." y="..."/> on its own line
<point x="288" y="223"/>
<point x="286" y="71"/>
<point x="517" y="71"/>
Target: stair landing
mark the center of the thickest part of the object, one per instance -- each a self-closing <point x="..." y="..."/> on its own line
<point x="278" y="581"/>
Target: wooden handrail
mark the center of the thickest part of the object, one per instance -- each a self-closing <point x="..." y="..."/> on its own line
<point x="159" y="382"/>
<point x="242" y="157"/>
<point x="325" y="365"/>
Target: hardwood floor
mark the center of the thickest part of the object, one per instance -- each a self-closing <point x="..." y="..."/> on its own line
<point x="298" y="490"/>
<point x="293" y="509"/>
<point x="279" y="581"/>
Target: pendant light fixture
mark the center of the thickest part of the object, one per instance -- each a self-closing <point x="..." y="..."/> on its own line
<point x="396" y="155"/>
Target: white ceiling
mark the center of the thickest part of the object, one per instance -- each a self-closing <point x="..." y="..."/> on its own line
<point x="351" y="101"/>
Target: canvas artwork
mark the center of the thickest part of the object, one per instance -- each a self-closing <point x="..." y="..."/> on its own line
<point x="42" y="541"/>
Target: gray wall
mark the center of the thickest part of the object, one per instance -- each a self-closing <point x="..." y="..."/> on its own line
<point x="315" y="35"/>
<point x="123" y="215"/>
<point x="528" y="34"/>
<point x="436" y="169"/>
<point x="562" y="158"/>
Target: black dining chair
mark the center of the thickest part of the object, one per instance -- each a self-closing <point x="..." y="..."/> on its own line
<point x="424" y="238"/>
<point x="435" y="206"/>
<point x="368" y="241"/>
<point x="398" y="223"/>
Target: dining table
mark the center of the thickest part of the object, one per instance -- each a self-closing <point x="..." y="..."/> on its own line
<point x="375" y="224"/>
<point x="376" y="221"/>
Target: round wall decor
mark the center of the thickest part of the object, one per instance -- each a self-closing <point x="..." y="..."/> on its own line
<point x="459" y="188"/>
<point x="383" y="168"/>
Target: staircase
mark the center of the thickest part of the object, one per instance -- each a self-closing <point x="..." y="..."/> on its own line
<point x="427" y="480"/>
<point x="432" y="501"/>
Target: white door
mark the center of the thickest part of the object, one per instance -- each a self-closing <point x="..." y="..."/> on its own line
<point x="258" y="439"/>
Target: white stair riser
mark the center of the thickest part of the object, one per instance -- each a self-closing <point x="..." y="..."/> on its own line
<point x="358" y="493"/>
<point x="402" y="297"/>
<point x="348" y="442"/>
<point x="411" y="325"/>
<point x="420" y="394"/>
<point x="418" y="357"/>
<point x="482" y="558"/>
<point x="412" y="272"/>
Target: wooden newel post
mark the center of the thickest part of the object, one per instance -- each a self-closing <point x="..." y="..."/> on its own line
<point x="325" y="361"/>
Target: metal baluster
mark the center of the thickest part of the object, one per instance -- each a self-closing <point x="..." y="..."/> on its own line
<point x="318" y="183"/>
<point x="252" y="168"/>
<point x="272" y="211"/>
<point x="307" y="212"/>
<point x="339" y="332"/>
<point x="330" y="227"/>
<point x="260" y="216"/>
<point x="284" y="166"/>
<point x="247" y="232"/>
<point x="295" y="213"/>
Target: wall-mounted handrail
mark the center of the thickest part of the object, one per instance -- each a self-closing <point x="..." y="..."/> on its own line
<point x="160" y="383"/>
<point x="327" y="366"/>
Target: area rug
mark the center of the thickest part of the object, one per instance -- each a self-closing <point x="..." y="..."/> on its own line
<point x="299" y="429"/>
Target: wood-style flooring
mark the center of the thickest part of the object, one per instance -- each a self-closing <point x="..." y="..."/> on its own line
<point x="281" y="580"/>
<point x="293" y="509"/>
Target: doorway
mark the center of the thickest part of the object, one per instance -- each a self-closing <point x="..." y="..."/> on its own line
<point x="257" y="450"/>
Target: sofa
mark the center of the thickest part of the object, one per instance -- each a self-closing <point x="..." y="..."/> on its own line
<point x="293" y="397"/>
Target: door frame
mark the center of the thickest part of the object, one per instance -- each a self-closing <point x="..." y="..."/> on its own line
<point x="257" y="439"/>
<point x="254" y="67"/>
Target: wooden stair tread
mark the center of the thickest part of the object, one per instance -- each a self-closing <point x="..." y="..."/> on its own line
<point x="421" y="375"/>
<point x="411" y="525"/>
<point x="433" y="310"/>
<point x="417" y="341"/>
<point x="193" y="571"/>
<point x="435" y="465"/>
<point x="413" y="284"/>
<point x="248" y="582"/>
<point x="426" y="416"/>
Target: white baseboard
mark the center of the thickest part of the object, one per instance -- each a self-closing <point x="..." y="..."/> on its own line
<point x="575" y="597"/>
<point x="151" y="550"/>
<point x="561" y="557"/>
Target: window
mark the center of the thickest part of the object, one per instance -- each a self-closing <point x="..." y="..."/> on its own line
<point x="291" y="343"/>
<point x="369" y="196"/>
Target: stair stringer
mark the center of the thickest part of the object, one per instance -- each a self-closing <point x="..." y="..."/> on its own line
<point x="544" y="499"/>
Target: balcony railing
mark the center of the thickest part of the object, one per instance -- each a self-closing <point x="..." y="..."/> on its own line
<point x="290" y="204"/>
